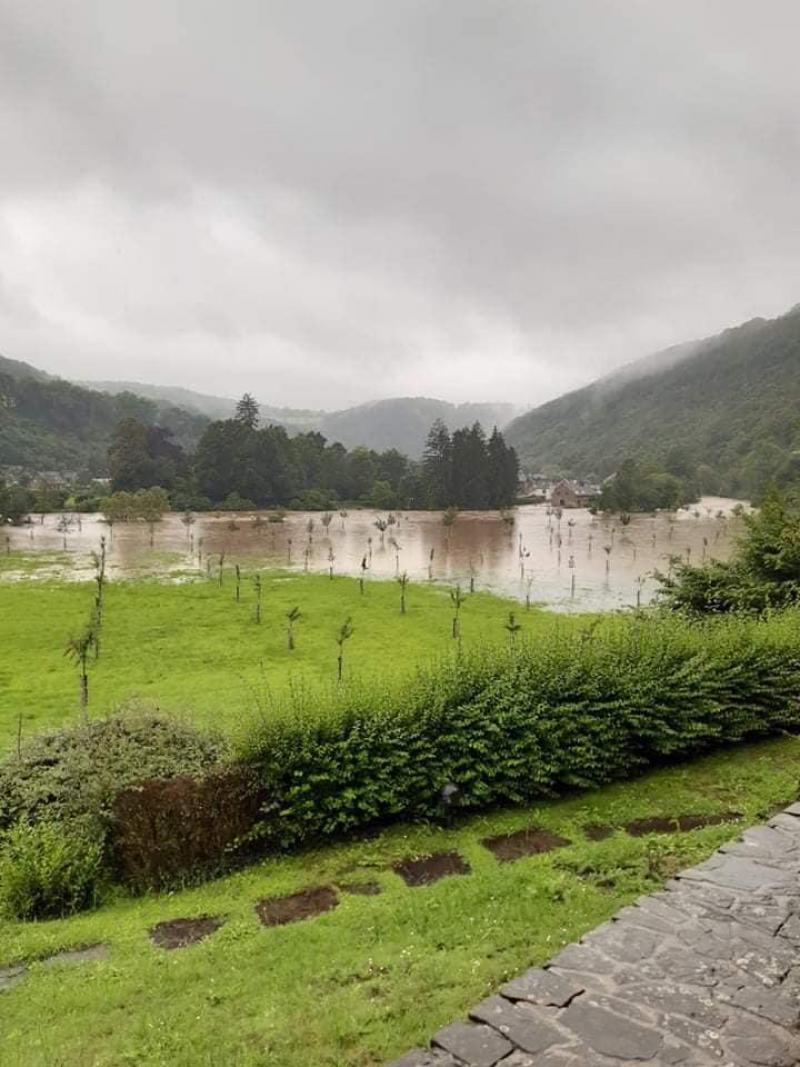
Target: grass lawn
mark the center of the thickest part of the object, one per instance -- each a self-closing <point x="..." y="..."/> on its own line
<point x="376" y="975"/>
<point x="191" y="649"/>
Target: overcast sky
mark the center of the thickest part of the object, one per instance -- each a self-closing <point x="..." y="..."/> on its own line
<point x="334" y="201"/>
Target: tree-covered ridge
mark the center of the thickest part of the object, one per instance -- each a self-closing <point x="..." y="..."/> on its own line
<point x="727" y="415"/>
<point x="47" y="424"/>
<point x="239" y="463"/>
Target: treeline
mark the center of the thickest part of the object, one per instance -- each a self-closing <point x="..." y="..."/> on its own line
<point x="239" y="464"/>
<point x="642" y="486"/>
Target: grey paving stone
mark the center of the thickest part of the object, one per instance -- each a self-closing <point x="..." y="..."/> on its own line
<point x="523" y="1025"/>
<point x="793" y="809"/>
<point x="77" y="955"/>
<point x="705" y="972"/>
<point x="478" y="1046"/>
<point x="611" y="1034"/>
<point x="543" y="987"/>
<point x="12" y="975"/>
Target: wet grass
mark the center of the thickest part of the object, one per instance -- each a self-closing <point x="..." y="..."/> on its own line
<point x="378" y="974"/>
<point x="191" y="649"/>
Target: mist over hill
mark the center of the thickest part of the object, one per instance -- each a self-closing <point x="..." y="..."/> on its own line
<point x="399" y="422"/>
<point x="725" y="408"/>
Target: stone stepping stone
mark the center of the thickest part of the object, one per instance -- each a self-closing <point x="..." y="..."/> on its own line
<point x="528" y="842"/>
<point x="598" y="831"/>
<point x="77" y="955"/>
<point x="278" y="911"/>
<point x="178" y="933"/>
<point x="12" y="975"/>
<point x="427" y="869"/>
<point x="362" y="889"/>
<point x="673" y="824"/>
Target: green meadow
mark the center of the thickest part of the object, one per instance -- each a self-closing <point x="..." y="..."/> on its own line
<point x="191" y="649"/>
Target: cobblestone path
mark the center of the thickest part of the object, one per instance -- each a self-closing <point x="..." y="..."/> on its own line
<point x="705" y="972"/>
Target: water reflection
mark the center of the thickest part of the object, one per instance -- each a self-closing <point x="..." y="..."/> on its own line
<point x="575" y="562"/>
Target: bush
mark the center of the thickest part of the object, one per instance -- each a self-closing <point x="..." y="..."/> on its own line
<point x="764" y="573"/>
<point x="166" y="832"/>
<point x="515" y="725"/>
<point x="49" y="869"/>
<point x="75" y="773"/>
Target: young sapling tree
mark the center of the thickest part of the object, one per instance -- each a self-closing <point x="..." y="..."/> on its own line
<point x="292" y="617"/>
<point x="458" y="599"/>
<point x="345" y="633"/>
<point x="512" y="628"/>
<point x="403" y="580"/>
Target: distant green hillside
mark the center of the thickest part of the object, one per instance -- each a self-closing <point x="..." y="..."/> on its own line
<point x="401" y="422"/>
<point x="47" y="424"/>
<point x="726" y="410"/>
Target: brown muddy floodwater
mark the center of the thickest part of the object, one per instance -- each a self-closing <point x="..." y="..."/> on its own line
<point x="578" y="562"/>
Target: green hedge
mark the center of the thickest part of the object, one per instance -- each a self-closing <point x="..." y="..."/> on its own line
<point x="510" y="726"/>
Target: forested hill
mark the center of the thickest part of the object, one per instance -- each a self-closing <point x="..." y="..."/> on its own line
<point x="47" y="424"/>
<point x="727" y="412"/>
<point x="399" y="422"/>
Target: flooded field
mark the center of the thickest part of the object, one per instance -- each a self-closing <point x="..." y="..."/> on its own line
<point x="573" y="562"/>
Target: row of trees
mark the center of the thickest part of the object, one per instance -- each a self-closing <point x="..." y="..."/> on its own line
<point x="465" y="470"/>
<point x="239" y="463"/>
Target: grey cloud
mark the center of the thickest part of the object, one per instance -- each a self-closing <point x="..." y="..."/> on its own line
<point x="331" y="202"/>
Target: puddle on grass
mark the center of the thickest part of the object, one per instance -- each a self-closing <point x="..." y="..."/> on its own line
<point x="428" y="869"/>
<point x="528" y="842"/>
<point x="178" y="933"/>
<point x="673" y="824"/>
<point x="297" y="906"/>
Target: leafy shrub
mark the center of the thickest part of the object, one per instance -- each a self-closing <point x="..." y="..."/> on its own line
<point x="511" y="726"/>
<point x="76" y="772"/>
<point x="163" y="832"/>
<point x="764" y="573"/>
<point x="48" y="869"/>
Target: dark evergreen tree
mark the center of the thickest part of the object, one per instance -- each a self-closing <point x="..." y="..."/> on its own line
<point x="247" y="411"/>
<point x="437" y="466"/>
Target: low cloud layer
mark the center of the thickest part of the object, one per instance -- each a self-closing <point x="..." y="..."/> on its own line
<point x="327" y="203"/>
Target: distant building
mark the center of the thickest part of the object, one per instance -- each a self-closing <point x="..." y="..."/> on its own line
<point x="572" y="494"/>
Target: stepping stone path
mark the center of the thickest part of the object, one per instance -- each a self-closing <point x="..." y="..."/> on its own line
<point x="178" y="933"/>
<point x="277" y="911"/>
<point x="705" y="972"/>
<point x="527" y="842"/>
<point x="427" y="869"/>
<point x="14" y="973"/>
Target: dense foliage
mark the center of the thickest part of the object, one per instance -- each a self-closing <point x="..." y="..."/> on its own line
<point x="576" y="709"/>
<point x="47" y="871"/>
<point x="563" y="713"/>
<point x="74" y="774"/>
<point x="240" y="464"/>
<point x="47" y="424"/>
<point x="465" y="470"/>
<point x="763" y="574"/>
<point x="638" y="486"/>
<point x="723" y="411"/>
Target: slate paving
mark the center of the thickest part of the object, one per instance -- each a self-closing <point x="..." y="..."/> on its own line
<point x="704" y="972"/>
